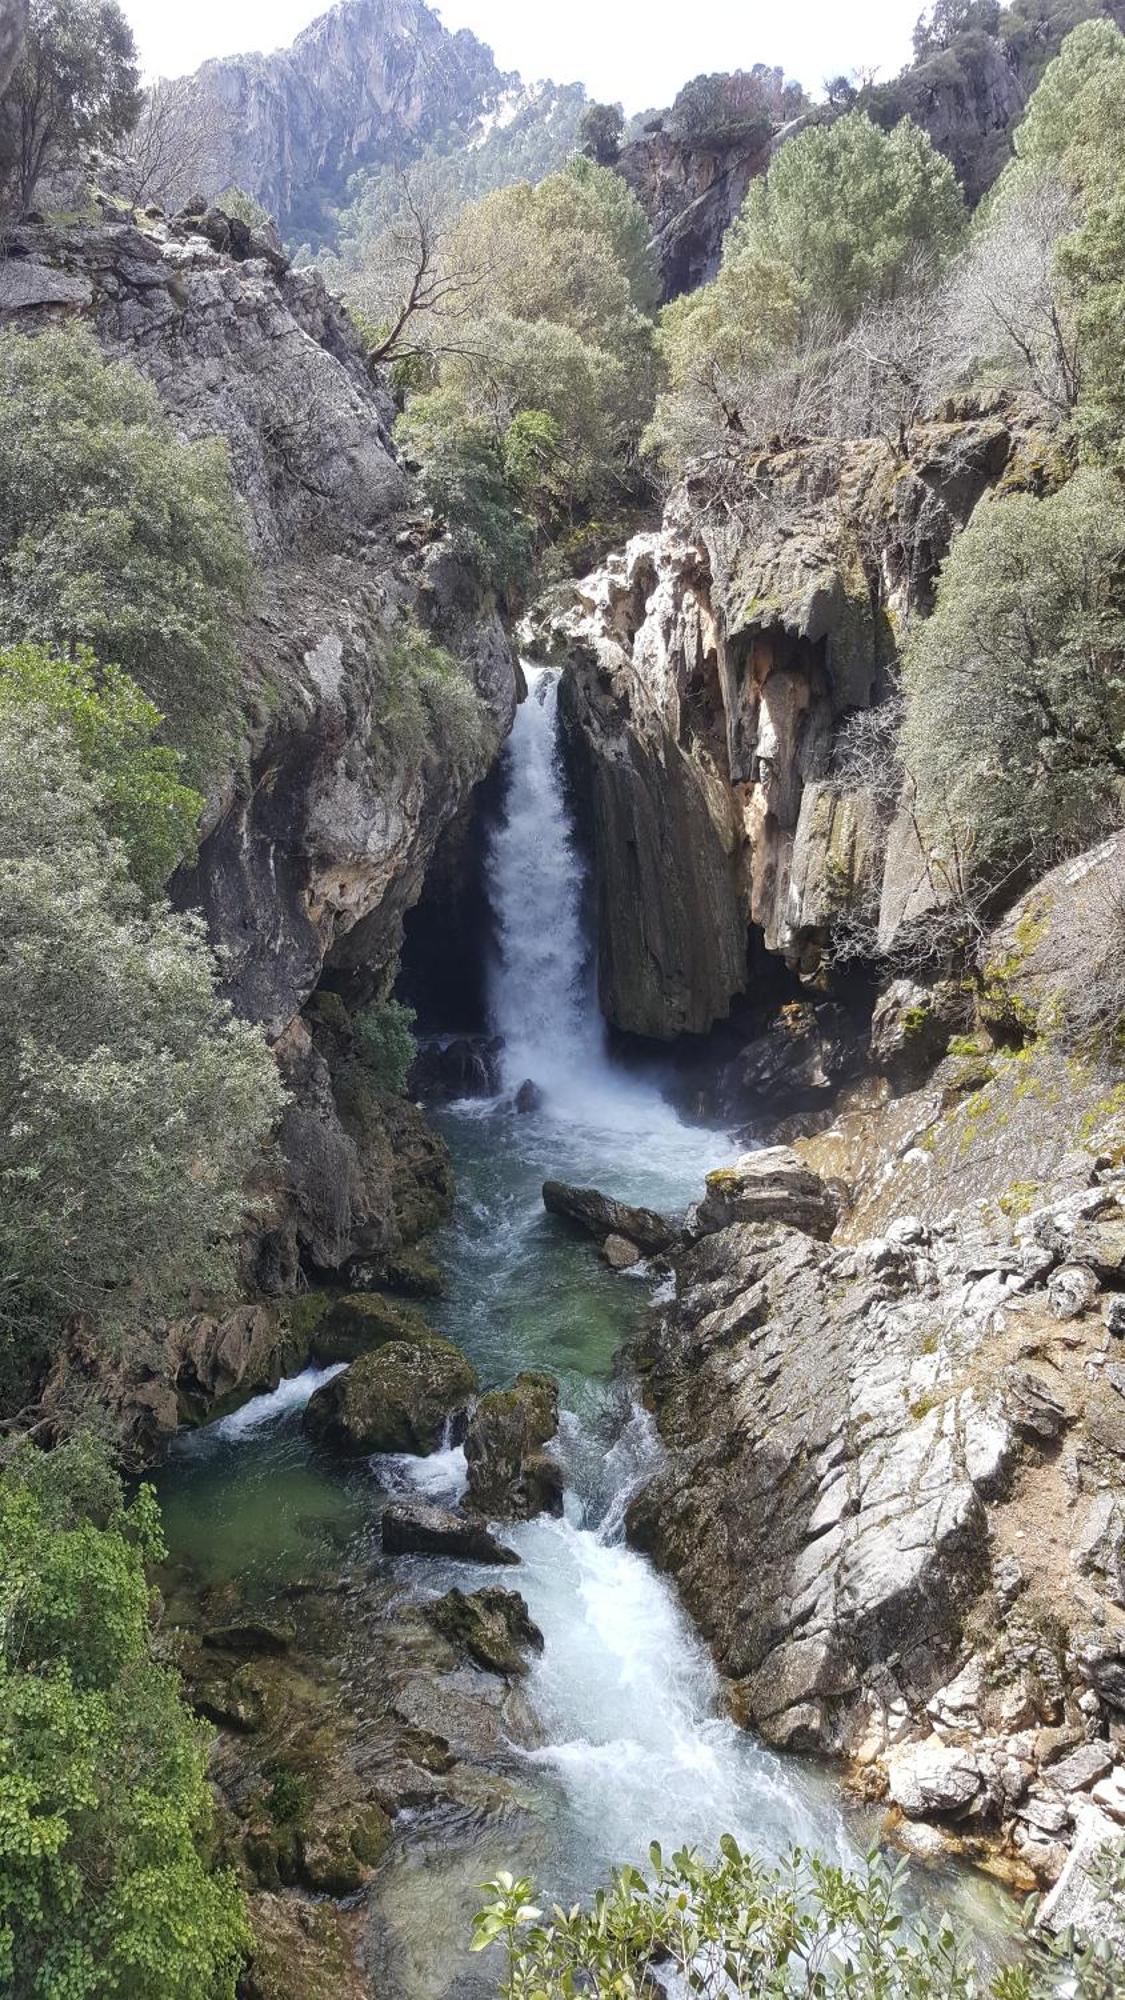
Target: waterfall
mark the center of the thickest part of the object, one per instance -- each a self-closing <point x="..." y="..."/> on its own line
<point x="541" y="990"/>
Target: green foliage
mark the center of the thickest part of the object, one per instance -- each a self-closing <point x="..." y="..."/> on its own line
<point x="117" y="536"/>
<point x="112" y="725"/>
<point x="1015" y="686"/>
<point x="132" y="1105"/>
<point x="850" y="210"/>
<point x="384" y="1044"/>
<point x="600" y="132"/>
<point x="554" y="313"/>
<point x="76" y="85"/>
<point x="104" y="1804"/>
<point x="846" y="218"/>
<point x="423" y="704"/>
<point x="736" y="1927"/>
<point x="465" y="480"/>
<point x="737" y="109"/>
<point x="243" y="207"/>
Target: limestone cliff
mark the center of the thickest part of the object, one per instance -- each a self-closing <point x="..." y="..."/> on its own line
<point x="895" y="1458"/>
<point x="708" y="671"/>
<point x="317" y="840"/>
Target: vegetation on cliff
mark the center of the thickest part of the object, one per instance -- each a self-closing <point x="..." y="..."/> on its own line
<point x="117" y="536"/>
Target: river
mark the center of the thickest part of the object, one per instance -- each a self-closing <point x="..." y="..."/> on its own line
<point x="635" y="1745"/>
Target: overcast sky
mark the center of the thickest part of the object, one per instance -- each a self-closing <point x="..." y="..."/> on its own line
<point x="638" y="52"/>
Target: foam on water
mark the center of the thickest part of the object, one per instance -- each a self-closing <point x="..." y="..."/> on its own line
<point x="291" y="1394"/>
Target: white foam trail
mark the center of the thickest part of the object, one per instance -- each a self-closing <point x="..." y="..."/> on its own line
<point x="443" y="1476"/>
<point x="291" y="1394"/>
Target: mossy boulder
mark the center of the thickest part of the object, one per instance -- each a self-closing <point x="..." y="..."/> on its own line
<point x="362" y="1321"/>
<point x="398" y="1398"/>
<point x="493" y="1626"/>
<point x="511" y="1477"/>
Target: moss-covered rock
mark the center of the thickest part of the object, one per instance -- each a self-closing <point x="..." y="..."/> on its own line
<point x="511" y="1477"/>
<point x="360" y="1322"/>
<point x="494" y="1626"/>
<point x="398" y="1398"/>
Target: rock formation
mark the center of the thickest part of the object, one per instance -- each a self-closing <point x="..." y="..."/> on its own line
<point x="891" y="1496"/>
<point x="317" y="840"/>
<point x="708" y="671"/>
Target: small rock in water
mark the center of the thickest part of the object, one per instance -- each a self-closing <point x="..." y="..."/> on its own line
<point x="494" y="1626"/>
<point x="511" y="1477"/>
<point x="417" y="1527"/>
<point x="619" y="1253"/>
<point x="603" y="1216"/>
<point x="248" y="1635"/>
<point x="529" y="1097"/>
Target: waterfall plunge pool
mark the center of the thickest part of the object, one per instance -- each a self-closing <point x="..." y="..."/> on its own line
<point x="633" y="1743"/>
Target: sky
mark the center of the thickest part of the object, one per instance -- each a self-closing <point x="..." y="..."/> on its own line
<point x="636" y="52"/>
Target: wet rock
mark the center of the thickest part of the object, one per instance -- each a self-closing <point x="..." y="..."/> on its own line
<point x="620" y="1254"/>
<point x="773" y="1185"/>
<point x="602" y="1216"/>
<point x="529" y="1097"/>
<point x="934" y="1778"/>
<point x="466" y="1066"/>
<point x="494" y="1626"/>
<point x="236" y="1702"/>
<point x="362" y="1322"/>
<point x="249" y="1635"/>
<point x="400" y="1398"/>
<point x="410" y="1271"/>
<point x="511" y="1477"/>
<point x="416" y="1527"/>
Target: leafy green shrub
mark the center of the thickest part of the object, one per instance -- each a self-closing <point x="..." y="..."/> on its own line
<point x="736" y="1927"/>
<point x="234" y="201"/>
<point x="424" y="701"/>
<point x="104" y="1804"/>
<point x="117" y="536"/>
<point x="1015" y="686"/>
<point x="465" y="481"/>
<point x="384" y="1044"/>
<point x="112" y="726"/>
<point x="132" y="1104"/>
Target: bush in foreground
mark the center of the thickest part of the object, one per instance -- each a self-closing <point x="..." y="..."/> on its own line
<point x="734" y="1927"/>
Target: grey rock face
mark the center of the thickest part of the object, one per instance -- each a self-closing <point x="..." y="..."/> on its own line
<point x="773" y="1185"/>
<point x="511" y="1475"/>
<point x="708" y="671"/>
<point x="368" y="81"/>
<point x="416" y="1527"/>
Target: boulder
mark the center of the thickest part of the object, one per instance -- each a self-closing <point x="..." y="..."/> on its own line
<point x="410" y="1271"/>
<point x="249" y="1635"/>
<point x="932" y="1777"/>
<point x="511" y="1477"/>
<point x="361" y="1322"/>
<point x="908" y="1033"/>
<point x="493" y="1626"/>
<point x="399" y="1398"/>
<point x="620" y="1254"/>
<point x="529" y="1097"/>
<point x="466" y="1066"/>
<point x="1071" y="1290"/>
<point x="771" y="1186"/>
<point x="417" y="1527"/>
<point x="602" y="1216"/>
<point x="796" y="1065"/>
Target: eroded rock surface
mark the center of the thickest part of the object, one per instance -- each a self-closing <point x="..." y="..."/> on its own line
<point x="512" y="1476"/>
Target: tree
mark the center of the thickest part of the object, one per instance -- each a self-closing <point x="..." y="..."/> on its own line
<point x="116" y="535"/>
<point x="1010" y="305"/>
<point x="1015" y="686"/>
<point x="181" y="143"/>
<point x="412" y="296"/>
<point x="74" y="86"/>
<point x="112" y="727"/>
<point x="133" y="1106"/>
<point x="600" y="133"/>
<point x="850" y="209"/>
<point x="105" y="1810"/>
<point x="848" y="221"/>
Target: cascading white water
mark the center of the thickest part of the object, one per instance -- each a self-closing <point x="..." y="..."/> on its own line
<point x="540" y="997"/>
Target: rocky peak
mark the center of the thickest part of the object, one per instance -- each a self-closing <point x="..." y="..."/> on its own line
<point x="365" y="84"/>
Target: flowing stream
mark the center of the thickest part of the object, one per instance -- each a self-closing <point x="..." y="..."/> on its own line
<point x="634" y="1745"/>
